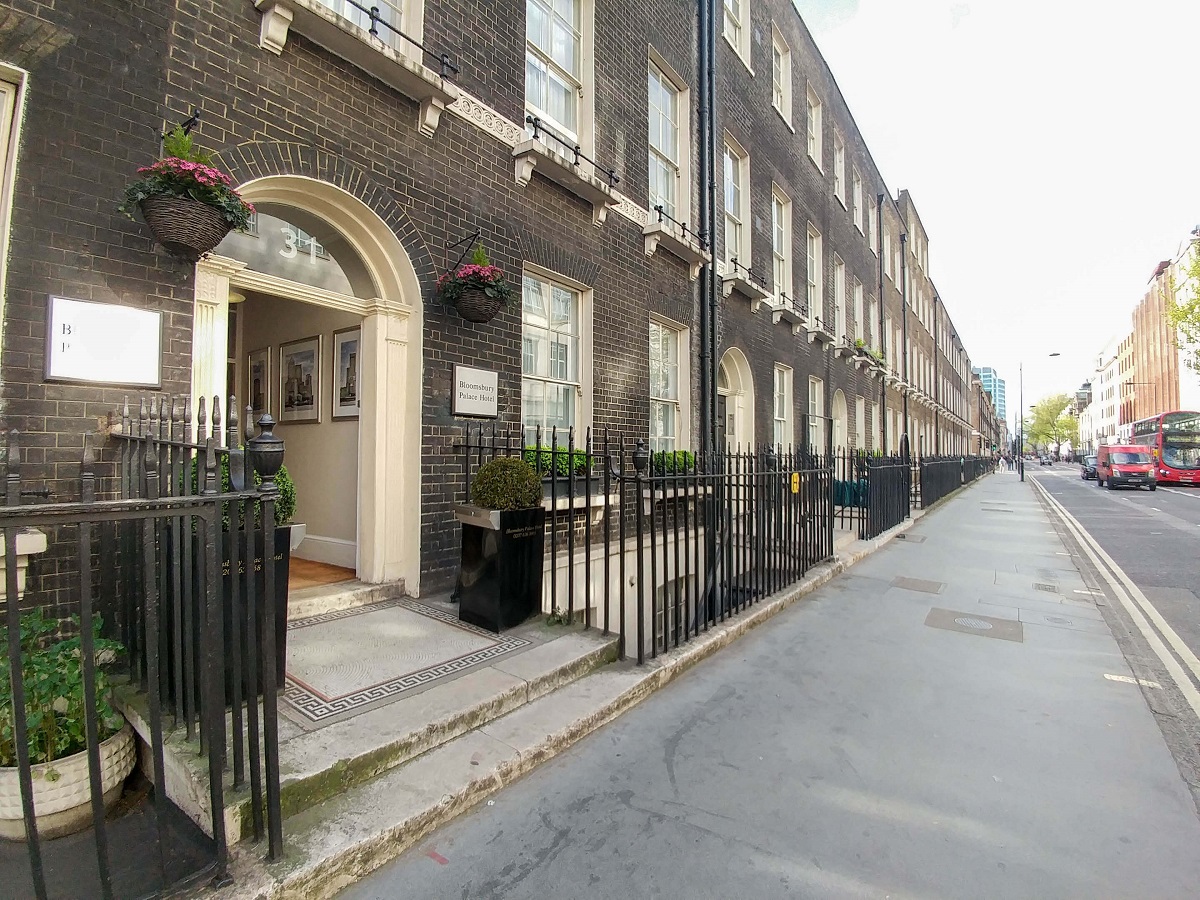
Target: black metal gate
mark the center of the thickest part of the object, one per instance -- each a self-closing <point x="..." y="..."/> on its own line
<point x="154" y="597"/>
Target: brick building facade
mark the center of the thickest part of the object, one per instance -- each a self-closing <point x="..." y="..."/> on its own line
<point x="382" y="153"/>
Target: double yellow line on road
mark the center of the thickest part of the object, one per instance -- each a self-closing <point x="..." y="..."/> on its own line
<point x="1139" y="607"/>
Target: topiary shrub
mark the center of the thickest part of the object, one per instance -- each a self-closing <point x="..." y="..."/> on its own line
<point x="285" y="500"/>
<point x="506" y="482"/>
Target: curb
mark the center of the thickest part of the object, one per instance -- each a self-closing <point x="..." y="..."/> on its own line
<point x="324" y="878"/>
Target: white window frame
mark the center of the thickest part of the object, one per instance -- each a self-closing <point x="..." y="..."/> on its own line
<point x="856" y="198"/>
<point x="735" y="28"/>
<point x="873" y="229"/>
<point x="683" y="136"/>
<point x="782" y="432"/>
<point x="781" y="75"/>
<point x="583" y="378"/>
<point x="583" y="81"/>
<point x="682" y="401"/>
<point x="814" y="273"/>
<point x="876" y="426"/>
<point x="889" y="348"/>
<point x="839" y="167"/>
<point x="860" y="332"/>
<point x="887" y="254"/>
<point x="814" y="125"/>
<point x="860" y="423"/>
<point x="816" y="413"/>
<point x="741" y="165"/>
<point x="873" y="315"/>
<point x="781" y="242"/>
<point x="839" y="299"/>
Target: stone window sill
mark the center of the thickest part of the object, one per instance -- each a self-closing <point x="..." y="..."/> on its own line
<point x="663" y="235"/>
<point x="578" y="179"/>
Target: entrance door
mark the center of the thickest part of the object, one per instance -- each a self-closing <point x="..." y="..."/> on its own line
<point x="735" y="401"/>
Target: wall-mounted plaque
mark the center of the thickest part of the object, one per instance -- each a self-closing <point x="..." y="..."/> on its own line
<point x="475" y="393"/>
<point x="103" y="343"/>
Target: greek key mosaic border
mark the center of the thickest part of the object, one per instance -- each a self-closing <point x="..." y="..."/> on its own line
<point x="318" y="709"/>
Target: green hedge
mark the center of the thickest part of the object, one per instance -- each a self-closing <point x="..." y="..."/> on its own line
<point x="506" y="482"/>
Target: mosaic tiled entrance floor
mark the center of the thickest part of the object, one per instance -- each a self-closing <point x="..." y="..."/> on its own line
<point x="342" y="662"/>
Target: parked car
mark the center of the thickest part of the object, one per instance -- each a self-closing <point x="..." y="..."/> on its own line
<point x="1087" y="468"/>
<point x="1125" y="466"/>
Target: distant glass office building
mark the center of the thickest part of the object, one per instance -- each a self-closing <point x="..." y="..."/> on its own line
<point x="994" y="385"/>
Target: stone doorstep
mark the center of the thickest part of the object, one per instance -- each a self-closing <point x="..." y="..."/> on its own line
<point x="316" y="765"/>
<point x="314" y="601"/>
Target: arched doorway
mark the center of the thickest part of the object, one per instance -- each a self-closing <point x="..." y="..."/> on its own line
<point x="372" y="296"/>
<point x="735" y="401"/>
<point x="841" y="420"/>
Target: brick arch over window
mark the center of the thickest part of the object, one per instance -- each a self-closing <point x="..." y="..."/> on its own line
<point x="260" y="159"/>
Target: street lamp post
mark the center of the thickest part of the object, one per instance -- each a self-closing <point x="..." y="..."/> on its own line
<point x="1021" y="440"/>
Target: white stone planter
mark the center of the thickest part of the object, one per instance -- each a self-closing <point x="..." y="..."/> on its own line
<point x="299" y="531"/>
<point x="64" y="805"/>
<point x="29" y="542"/>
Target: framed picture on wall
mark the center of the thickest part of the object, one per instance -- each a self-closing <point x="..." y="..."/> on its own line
<point x="345" y="373"/>
<point x="258" y="383"/>
<point x="300" y="380"/>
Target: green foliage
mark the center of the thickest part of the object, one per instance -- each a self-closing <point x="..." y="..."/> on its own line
<point x="1052" y="422"/>
<point x="188" y="173"/>
<point x="544" y="459"/>
<point x="506" y="482"/>
<point x="1183" y="311"/>
<point x="678" y="462"/>
<point x="285" y="500"/>
<point x="54" y="697"/>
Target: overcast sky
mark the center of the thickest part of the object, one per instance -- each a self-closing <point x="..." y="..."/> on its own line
<point x="1052" y="148"/>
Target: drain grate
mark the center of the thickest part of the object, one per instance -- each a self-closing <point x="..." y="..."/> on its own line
<point x="971" y="622"/>
<point x="1043" y="586"/>
<point x="1059" y="620"/>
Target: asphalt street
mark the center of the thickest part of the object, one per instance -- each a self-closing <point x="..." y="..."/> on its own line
<point x="950" y="718"/>
<point x="1153" y="536"/>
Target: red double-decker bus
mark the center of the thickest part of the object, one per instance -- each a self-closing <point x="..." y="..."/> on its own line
<point x="1175" y="440"/>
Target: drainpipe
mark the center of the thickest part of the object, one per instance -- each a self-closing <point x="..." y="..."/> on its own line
<point x="937" y="382"/>
<point x="879" y="282"/>
<point x="904" y="329"/>
<point x="707" y="273"/>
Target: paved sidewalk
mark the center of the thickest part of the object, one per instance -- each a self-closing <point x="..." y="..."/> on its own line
<point x="935" y="722"/>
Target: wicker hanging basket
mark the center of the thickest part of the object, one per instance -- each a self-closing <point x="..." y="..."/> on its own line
<point x="185" y="228"/>
<point x="476" y="306"/>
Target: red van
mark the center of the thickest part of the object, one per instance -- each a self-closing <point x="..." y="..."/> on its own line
<point x="1118" y="465"/>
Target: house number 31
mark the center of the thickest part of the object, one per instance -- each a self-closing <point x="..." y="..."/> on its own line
<point x="293" y="245"/>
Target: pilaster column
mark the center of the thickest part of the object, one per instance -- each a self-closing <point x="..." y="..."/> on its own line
<point x="210" y="329"/>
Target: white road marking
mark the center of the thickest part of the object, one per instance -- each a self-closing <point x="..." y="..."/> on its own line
<point x="1093" y="593"/>
<point x="1060" y="553"/>
<point x="1128" y="680"/>
<point x="1156" y="509"/>
<point x="1140" y="609"/>
<point x="1191" y="494"/>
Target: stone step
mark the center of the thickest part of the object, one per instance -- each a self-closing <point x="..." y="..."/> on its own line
<point x="326" y="761"/>
<point x="307" y="603"/>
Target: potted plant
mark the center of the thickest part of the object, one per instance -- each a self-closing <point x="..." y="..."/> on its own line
<point x="503" y="541"/>
<point x="188" y="204"/>
<point x="285" y="542"/>
<point x="556" y="467"/>
<point x="477" y="290"/>
<point x="55" y="715"/>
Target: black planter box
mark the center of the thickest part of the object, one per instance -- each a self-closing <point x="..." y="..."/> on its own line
<point x="283" y="553"/>
<point x="500" y="571"/>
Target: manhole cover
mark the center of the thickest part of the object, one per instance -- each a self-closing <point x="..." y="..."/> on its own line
<point x="1059" y="620"/>
<point x="970" y="622"/>
<point x="1048" y="588"/>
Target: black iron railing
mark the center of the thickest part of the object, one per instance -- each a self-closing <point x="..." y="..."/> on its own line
<point x="571" y="147"/>
<point x="658" y="547"/>
<point x="447" y="67"/>
<point x="149" y="564"/>
<point x="664" y="216"/>
<point x="738" y="267"/>
<point x="940" y="476"/>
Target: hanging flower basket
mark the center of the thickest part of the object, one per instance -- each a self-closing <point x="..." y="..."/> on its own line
<point x="188" y="204"/>
<point x="184" y="227"/>
<point x="476" y="290"/>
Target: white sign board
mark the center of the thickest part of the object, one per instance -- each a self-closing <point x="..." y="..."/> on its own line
<point x="102" y="343"/>
<point x="475" y="392"/>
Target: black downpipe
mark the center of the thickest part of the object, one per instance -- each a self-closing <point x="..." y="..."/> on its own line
<point x="881" y="424"/>
<point x="904" y="334"/>
<point x="937" y="381"/>
<point x="707" y="404"/>
<point x="714" y="288"/>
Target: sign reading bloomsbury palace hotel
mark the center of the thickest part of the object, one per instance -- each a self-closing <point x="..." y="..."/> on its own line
<point x="475" y="392"/>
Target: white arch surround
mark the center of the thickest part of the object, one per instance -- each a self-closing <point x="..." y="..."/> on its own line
<point x="841" y="419"/>
<point x="736" y="384"/>
<point x="389" y="447"/>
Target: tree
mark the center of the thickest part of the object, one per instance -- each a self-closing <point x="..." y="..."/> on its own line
<point x="1052" y="423"/>
<point x="1183" y="309"/>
